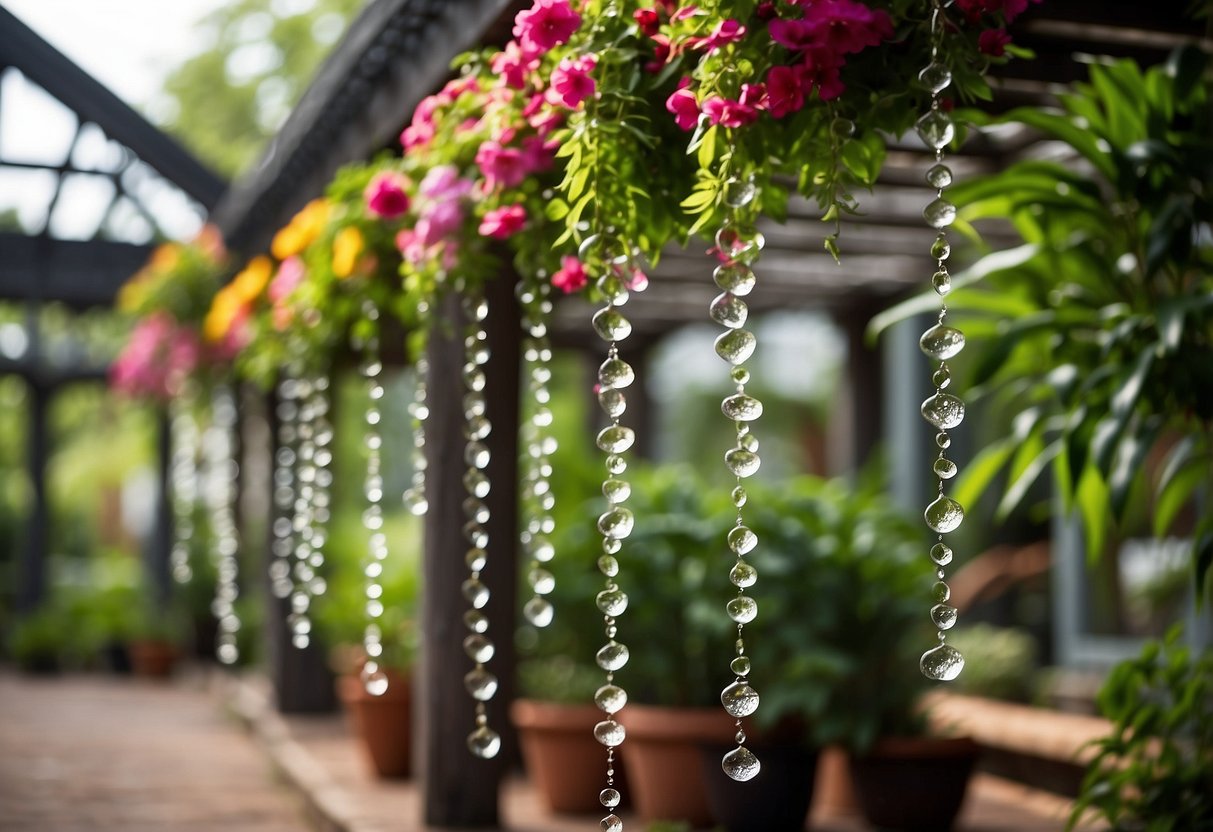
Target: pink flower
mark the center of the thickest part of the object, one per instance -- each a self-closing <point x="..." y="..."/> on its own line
<point x="443" y="183"/>
<point x="503" y="222"/>
<point x="440" y="221"/>
<point x="546" y="24"/>
<point x="729" y="113"/>
<point x="571" y="81"/>
<point x="158" y="357"/>
<point x="648" y="21"/>
<point x="726" y="32"/>
<point x="683" y="105"/>
<point x="845" y="26"/>
<point x="537" y="154"/>
<point x="513" y="66"/>
<point x="661" y="54"/>
<point x="766" y="10"/>
<point x="571" y="275"/>
<point x="502" y="166"/>
<point x="290" y="274"/>
<point x="385" y="195"/>
<point x="410" y="247"/>
<point x="794" y="34"/>
<point x="785" y="91"/>
<point x="993" y="42"/>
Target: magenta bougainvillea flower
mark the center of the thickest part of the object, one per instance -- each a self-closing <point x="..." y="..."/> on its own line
<point x="503" y="222"/>
<point x="386" y="196"/>
<point x="571" y="276"/>
<point x="571" y="81"/>
<point x="545" y="25"/>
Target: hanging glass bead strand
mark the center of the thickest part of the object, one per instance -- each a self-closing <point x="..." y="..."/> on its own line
<point x="184" y="435"/>
<point x="481" y="684"/>
<point x="538" y="501"/>
<point x="615" y="524"/>
<point x="313" y="458"/>
<point x="739" y="245"/>
<point x="222" y="471"/>
<point x="285" y="475"/>
<point x="373" y="677"/>
<point x="415" y="499"/>
<point x="942" y="410"/>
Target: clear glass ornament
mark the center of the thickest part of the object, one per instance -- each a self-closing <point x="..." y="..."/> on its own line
<point x="219" y="444"/>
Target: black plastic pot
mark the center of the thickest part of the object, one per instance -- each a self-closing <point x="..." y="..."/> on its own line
<point x="914" y="784"/>
<point x="777" y="800"/>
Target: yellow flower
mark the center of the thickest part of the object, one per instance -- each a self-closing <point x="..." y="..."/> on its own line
<point x="134" y="291"/>
<point x="301" y="231"/>
<point x="347" y="245"/>
<point x="252" y="280"/>
<point x="164" y="257"/>
<point x="225" y="308"/>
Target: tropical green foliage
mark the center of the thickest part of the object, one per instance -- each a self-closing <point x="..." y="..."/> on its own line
<point x="1097" y="335"/>
<point x="1154" y="772"/>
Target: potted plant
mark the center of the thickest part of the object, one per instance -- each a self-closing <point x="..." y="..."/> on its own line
<point x="382" y="721"/>
<point x="1154" y="771"/>
<point x="155" y="640"/>
<point x="37" y="641"/>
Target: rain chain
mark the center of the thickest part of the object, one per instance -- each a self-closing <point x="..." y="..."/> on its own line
<point x="184" y="435"/>
<point x="415" y="499"/>
<point x="373" y="678"/>
<point x="941" y="342"/>
<point x="285" y="458"/>
<point x="311" y="510"/>
<point x="481" y="684"/>
<point x="739" y="245"/>
<point x="538" y="501"/>
<point x="616" y="522"/>
<point x="221" y="473"/>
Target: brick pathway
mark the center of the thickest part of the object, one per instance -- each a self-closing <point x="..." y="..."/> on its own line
<point x="86" y="754"/>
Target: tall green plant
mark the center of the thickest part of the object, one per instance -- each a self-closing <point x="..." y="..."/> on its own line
<point x="1097" y="334"/>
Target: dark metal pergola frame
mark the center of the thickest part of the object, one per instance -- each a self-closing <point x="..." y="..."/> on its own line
<point x="37" y="268"/>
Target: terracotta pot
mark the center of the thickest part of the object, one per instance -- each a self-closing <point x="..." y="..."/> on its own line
<point x="662" y="755"/>
<point x="776" y="800"/>
<point x="564" y="761"/>
<point x="384" y="724"/>
<point x="916" y="784"/>
<point x="152" y="659"/>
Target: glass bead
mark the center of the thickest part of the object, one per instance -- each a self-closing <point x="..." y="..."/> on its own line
<point x="740" y="243"/>
<point x="609" y="798"/>
<point x="476" y="558"/>
<point x="477" y="427"/>
<point x="942" y="440"/>
<point x="476" y="483"/>
<point x="611" y="547"/>
<point x="942" y="663"/>
<point x="616" y="439"/>
<point x="941" y="249"/>
<point x="740" y="666"/>
<point x="736" y="278"/>
<point x="739" y="193"/>
<point x="944" y="468"/>
<point x="740" y="764"/>
<point x="743" y="575"/>
<point x="942" y="377"/>
<point x="736" y="346"/>
<point x="542" y="549"/>
<point x="610" y="733"/>
<point x="941" y="281"/>
<point x="611" y="602"/>
<point x="939" y="213"/>
<point x="480" y="683"/>
<point x="616" y="373"/>
<point x="942" y="342"/>
<point x="743" y="609"/>
<point x="476" y="593"/>
<point x="614" y="289"/>
<point x="539" y="612"/>
<point x="611" y="698"/>
<point x="612" y="402"/>
<point x="476" y="621"/>
<point x="740" y="375"/>
<point x="943" y="410"/>
<point x="608" y="566"/>
<point x="478" y="648"/>
<point x="741" y="408"/>
<point x="610" y="325"/>
<point x="741" y="462"/>
<point x="616" y="464"/>
<point x="941" y="553"/>
<point x="739" y="699"/>
<point x="612" y="656"/>
<point x="729" y="310"/>
<point x="936" y="129"/>
<point x="739" y="496"/>
<point x="944" y="515"/>
<point x="616" y="491"/>
<point x="542" y="581"/>
<point x="943" y="616"/>
<point x="616" y="523"/>
<point x="484" y="742"/>
<point x="941" y="592"/>
<point x="842" y="128"/>
<point x="935" y="77"/>
<point x="742" y="540"/>
<point x="612" y="822"/>
<point x="939" y="176"/>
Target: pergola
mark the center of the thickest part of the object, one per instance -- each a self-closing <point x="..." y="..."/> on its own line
<point x="395" y="53"/>
<point x="128" y="169"/>
<point x="398" y="51"/>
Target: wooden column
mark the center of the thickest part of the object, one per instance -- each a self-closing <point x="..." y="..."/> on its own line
<point x="303" y="683"/>
<point x="461" y="790"/>
<point x="857" y="423"/>
<point x="31" y="590"/>
<point x="156" y="555"/>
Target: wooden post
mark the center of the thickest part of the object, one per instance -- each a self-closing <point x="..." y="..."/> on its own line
<point x="156" y="555"/>
<point x="857" y="424"/>
<point x="32" y="588"/>
<point x="461" y="790"/>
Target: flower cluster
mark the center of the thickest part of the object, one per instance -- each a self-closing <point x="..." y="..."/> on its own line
<point x="158" y="358"/>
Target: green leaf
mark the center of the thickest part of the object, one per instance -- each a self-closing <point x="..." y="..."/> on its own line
<point x="1092" y="500"/>
<point x="1186" y="66"/>
<point x="1062" y="128"/>
<point x="1130" y="457"/>
<point x="1178" y="490"/>
<point x="577" y="185"/>
<point x="977" y="475"/>
<point x="707" y="148"/>
<point x="556" y="210"/>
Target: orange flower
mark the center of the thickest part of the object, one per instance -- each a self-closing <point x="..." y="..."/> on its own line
<point x="301" y="231"/>
<point x="226" y="307"/>
<point x="252" y="280"/>
<point x="164" y="257"/>
<point x="347" y="245"/>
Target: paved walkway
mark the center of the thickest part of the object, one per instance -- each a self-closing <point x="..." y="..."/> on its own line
<point x="96" y="753"/>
